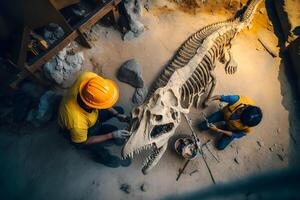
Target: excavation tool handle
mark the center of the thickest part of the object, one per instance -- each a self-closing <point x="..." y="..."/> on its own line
<point x="189" y="121"/>
<point x="182" y="169"/>
<point x="198" y="143"/>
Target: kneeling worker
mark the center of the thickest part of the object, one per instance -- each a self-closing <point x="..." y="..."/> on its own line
<point x="84" y="108"/>
<point x="239" y="116"/>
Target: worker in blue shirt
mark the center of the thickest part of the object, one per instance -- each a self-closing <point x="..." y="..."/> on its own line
<point x="239" y="115"/>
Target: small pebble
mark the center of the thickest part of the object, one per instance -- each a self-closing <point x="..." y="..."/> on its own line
<point x="126" y="188"/>
<point x="236" y="160"/>
<point x="261" y="10"/>
<point x="271" y="149"/>
<point x="144" y="187"/>
<point x="278" y="131"/>
<point x="259" y="143"/>
<point x="280" y="157"/>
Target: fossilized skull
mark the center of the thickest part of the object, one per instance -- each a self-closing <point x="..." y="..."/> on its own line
<point x="153" y="123"/>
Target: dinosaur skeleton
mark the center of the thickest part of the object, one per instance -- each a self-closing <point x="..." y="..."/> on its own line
<point x="181" y="85"/>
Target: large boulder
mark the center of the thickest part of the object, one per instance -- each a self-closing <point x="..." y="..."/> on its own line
<point x="133" y="11"/>
<point x="46" y="108"/>
<point x="65" y="66"/>
<point x="139" y="96"/>
<point x="130" y="72"/>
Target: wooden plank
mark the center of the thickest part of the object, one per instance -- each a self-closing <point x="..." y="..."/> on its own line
<point x="82" y="26"/>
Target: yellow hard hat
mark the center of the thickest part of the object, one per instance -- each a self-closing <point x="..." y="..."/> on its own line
<point x="99" y="93"/>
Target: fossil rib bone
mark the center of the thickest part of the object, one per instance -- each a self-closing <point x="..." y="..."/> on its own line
<point x="181" y="84"/>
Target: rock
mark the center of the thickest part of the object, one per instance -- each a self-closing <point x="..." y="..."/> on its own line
<point x="133" y="10"/>
<point x="262" y="10"/>
<point x="236" y="160"/>
<point x="53" y="32"/>
<point x="280" y="157"/>
<point x="128" y="36"/>
<point x="269" y="41"/>
<point x="145" y="187"/>
<point x="271" y="149"/>
<point x="139" y="95"/>
<point x="278" y="131"/>
<point x="64" y="67"/>
<point x="130" y="72"/>
<point x="148" y="4"/>
<point x="260" y="144"/>
<point x="45" y="109"/>
<point x="137" y="28"/>
<point x="126" y="188"/>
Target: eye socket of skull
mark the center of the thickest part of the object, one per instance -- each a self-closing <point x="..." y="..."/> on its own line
<point x="134" y="124"/>
<point x="174" y="115"/>
<point x="158" y="118"/>
<point x="136" y="112"/>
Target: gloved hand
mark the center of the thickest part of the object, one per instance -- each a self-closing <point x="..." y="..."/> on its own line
<point x="120" y="134"/>
<point x="123" y="118"/>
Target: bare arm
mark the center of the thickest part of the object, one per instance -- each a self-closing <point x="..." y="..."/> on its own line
<point x="216" y="129"/>
<point x="214" y="98"/>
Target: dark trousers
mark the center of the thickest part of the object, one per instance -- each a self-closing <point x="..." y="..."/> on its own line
<point x="99" y="151"/>
<point x="214" y="118"/>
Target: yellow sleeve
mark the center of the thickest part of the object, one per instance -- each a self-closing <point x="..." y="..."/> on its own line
<point x="78" y="135"/>
<point x="247" y="130"/>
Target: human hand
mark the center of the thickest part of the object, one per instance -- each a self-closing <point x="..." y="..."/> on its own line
<point x="212" y="127"/>
<point x="123" y="118"/>
<point x="120" y="134"/>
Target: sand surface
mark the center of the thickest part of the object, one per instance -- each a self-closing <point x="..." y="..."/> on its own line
<point x="37" y="163"/>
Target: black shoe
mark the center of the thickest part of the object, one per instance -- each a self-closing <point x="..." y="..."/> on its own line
<point x="111" y="161"/>
<point x="126" y="162"/>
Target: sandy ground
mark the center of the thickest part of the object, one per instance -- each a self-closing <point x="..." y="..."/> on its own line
<point x="37" y="163"/>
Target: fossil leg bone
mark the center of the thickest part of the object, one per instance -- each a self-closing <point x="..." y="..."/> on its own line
<point x="228" y="60"/>
<point x="213" y="85"/>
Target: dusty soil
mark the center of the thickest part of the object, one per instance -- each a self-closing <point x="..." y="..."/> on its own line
<point x="39" y="163"/>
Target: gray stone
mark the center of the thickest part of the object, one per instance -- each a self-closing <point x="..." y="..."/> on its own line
<point x="236" y="160"/>
<point x="53" y="32"/>
<point x="133" y="9"/>
<point x="137" y="28"/>
<point x="128" y="36"/>
<point x="139" y="95"/>
<point x="126" y="188"/>
<point x="281" y="157"/>
<point x="45" y="109"/>
<point x="145" y="187"/>
<point x="260" y="144"/>
<point x="130" y="72"/>
<point x="64" y="67"/>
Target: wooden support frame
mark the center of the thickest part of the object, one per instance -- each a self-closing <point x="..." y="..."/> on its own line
<point x="31" y="68"/>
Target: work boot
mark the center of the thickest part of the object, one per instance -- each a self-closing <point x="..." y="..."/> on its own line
<point x="126" y="162"/>
<point x="103" y="156"/>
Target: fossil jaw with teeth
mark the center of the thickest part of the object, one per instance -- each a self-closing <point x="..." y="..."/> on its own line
<point x="181" y="84"/>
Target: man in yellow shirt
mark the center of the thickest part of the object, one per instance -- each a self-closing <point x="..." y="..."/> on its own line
<point x="83" y="110"/>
